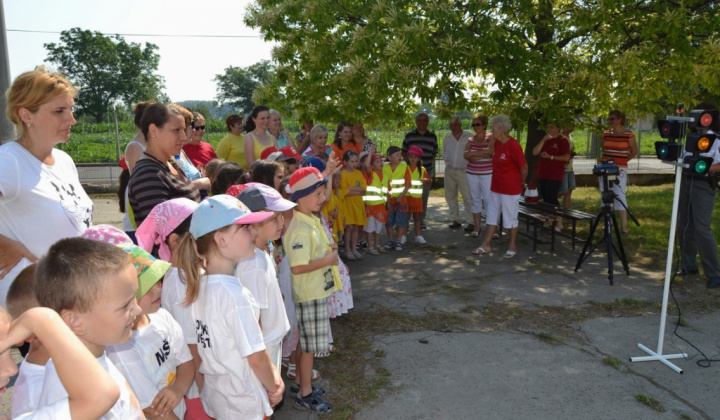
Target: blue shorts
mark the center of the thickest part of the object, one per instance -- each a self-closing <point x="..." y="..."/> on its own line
<point x="397" y="217"/>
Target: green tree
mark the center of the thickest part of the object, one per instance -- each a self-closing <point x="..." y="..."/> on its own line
<point x="537" y="60"/>
<point x="107" y="70"/>
<point x="237" y="85"/>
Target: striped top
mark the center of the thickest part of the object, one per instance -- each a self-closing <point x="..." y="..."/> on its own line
<point x="483" y="166"/>
<point x="152" y="183"/>
<point x="427" y="142"/>
<point x="617" y="147"/>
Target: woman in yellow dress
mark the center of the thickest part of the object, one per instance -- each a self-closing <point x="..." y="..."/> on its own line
<point x="232" y="147"/>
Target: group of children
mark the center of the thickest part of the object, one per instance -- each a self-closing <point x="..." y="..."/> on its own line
<point x="196" y="320"/>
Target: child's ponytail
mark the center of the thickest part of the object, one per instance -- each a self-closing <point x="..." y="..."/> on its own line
<point x="190" y="264"/>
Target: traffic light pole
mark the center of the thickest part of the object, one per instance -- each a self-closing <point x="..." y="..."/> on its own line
<point x="658" y="354"/>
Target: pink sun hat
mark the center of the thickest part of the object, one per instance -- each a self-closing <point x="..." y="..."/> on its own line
<point x="161" y="222"/>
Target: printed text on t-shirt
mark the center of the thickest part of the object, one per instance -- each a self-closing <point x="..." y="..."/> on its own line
<point x="203" y="334"/>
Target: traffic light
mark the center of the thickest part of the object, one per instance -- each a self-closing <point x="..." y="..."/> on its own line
<point x="699" y="142"/>
<point x="698" y="165"/>
<point x="702" y="118"/>
<point x="672" y="130"/>
<point x="667" y="151"/>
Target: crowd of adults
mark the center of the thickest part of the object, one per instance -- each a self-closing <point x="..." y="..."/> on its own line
<point x="42" y="201"/>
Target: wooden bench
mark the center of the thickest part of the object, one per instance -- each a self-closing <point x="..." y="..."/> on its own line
<point x="537" y="219"/>
<point x="570" y="214"/>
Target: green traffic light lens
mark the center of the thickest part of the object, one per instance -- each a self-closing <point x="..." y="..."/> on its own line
<point x="663" y="151"/>
<point x="701" y="167"/>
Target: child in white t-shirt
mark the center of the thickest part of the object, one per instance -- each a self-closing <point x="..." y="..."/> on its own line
<point x="160" y="234"/>
<point x="240" y="380"/>
<point x="91" y="391"/>
<point x="92" y="286"/>
<point x="28" y="385"/>
<point x="258" y="273"/>
<point x="156" y="361"/>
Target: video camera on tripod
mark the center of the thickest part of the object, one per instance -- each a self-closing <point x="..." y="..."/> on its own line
<point x="607" y="171"/>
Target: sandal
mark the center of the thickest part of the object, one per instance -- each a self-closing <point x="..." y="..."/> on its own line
<point x="313" y="403"/>
<point x="509" y="254"/>
<point x="480" y="251"/>
<point x="475" y="234"/>
<point x="291" y="372"/>
<point x="316" y="390"/>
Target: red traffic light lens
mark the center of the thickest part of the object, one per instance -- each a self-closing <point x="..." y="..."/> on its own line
<point x="706" y="119"/>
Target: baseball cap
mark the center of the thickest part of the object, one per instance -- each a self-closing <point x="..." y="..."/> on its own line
<point x="265" y="155"/>
<point x="315" y="162"/>
<point x="414" y="150"/>
<point x="149" y="269"/>
<point x="290" y="153"/>
<point x="260" y="196"/>
<point x="277" y="157"/>
<point x="223" y="210"/>
<point x="392" y="150"/>
<point x="304" y="182"/>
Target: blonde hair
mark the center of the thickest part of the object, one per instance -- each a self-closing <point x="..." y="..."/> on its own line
<point x="32" y="89"/>
<point x="192" y="257"/>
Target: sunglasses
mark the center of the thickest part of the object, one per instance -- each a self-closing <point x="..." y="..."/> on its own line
<point x="198" y="127"/>
<point x="478" y="124"/>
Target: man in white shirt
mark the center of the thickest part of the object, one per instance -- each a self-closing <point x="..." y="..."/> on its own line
<point x="453" y="147"/>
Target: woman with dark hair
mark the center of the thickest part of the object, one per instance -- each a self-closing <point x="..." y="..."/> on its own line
<point x="257" y="138"/>
<point x="157" y="177"/>
<point x="618" y="144"/>
<point x="41" y="199"/>
<point x="344" y="140"/>
<point x="231" y="148"/>
<point x="554" y="152"/>
<point x="228" y="174"/>
<point x="133" y="152"/>
<point x="267" y="172"/>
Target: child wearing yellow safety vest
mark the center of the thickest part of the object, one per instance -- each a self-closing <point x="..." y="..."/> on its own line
<point x="375" y="198"/>
<point x="396" y="178"/>
<point x="418" y="177"/>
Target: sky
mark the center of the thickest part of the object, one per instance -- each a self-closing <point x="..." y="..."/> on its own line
<point x="187" y="64"/>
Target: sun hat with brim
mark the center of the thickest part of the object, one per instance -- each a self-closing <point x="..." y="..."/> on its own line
<point x="272" y="199"/>
<point x="304" y="182"/>
<point x="223" y="210"/>
<point x="149" y="269"/>
<point x="415" y="150"/>
<point x="106" y="233"/>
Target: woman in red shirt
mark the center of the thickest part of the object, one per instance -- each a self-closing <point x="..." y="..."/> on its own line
<point x="554" y="152"/>
<point x="508" y="177"/>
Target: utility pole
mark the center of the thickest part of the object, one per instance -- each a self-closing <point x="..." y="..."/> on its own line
<point x="7" y="129"/>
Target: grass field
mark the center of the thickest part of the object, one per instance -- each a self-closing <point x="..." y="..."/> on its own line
<point x="92" y="144"/>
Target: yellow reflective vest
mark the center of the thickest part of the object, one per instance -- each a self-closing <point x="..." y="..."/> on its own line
<point x="416" y="182"/>
<point x="376" y="192"/>
<point x="395" y="179"/>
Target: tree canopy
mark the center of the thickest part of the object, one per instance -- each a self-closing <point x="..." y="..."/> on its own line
<point x="536" y="60"/>
<point x="106" y="70"/>
<point x="237" y="85"/>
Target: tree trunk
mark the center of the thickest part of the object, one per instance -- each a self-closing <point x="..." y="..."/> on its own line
<point x="534" y="135"/>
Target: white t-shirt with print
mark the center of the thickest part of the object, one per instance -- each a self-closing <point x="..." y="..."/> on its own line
<point x="39" y="204"/>
<point x="257" y="274"/>
<point x="127" y="406"/>
<point x="27" y="388"/>
<point x="227" y="329"/>
<point x="149" y="360"/>
<point x="57" y="411"/>
<point x="173" y="295"/>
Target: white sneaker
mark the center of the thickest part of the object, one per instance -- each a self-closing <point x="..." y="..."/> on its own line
<point x="420" y="240"/>
<point x="403" y="240"/>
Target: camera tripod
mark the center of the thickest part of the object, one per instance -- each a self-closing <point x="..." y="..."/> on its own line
<point x="608" y="216"/>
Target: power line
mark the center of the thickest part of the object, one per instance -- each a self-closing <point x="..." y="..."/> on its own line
<point x="146" y="35"/>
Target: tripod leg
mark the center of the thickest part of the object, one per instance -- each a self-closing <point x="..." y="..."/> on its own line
<point x="608" y="242"/>
<point x="586" y="251"/>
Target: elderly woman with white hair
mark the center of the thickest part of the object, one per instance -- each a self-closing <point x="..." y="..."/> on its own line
<point x="509" y="172"/>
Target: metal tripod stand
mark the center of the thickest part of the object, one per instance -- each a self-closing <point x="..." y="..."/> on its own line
<point x="608" y="216"/>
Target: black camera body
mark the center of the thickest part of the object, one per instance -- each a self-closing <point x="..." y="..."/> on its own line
<point x="606" y="168"/>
